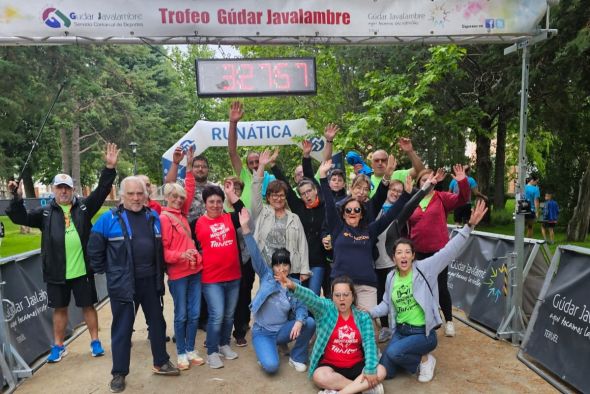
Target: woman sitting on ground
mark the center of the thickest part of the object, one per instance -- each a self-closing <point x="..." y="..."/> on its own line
<point x="344" y="355"/>
<point x="272" y="307"/>
<point x="413" y="307"/>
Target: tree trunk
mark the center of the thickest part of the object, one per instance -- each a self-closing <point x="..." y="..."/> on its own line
<point x="500" y="167"/>
<point x="76" y="156"/>
<point x="483" y="162"/>
<point x="66" y="163"/>
<point x="577" y="228"/>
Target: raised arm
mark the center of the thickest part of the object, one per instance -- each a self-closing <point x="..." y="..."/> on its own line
<point x="95" y="200"/>
<point x="381" y="224"/>
<point x="317" y="305"/>
<point x="258" y="263"/>
<point x="332" y="218"/>
<point x="173" y="170"/>
<point x="329" y="134"/>
<point x="451" y="200"/>
<point x="257" y="179"/>
<point x="406" y="145"/>
<point x="437" y="262"/>
<point x="17" y="212"/>
<point x="189" y="183"/>
<point x="236" y="111"/>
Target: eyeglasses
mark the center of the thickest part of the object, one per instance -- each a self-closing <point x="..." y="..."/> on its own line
<point x="202" y="166"/>
<point x="252" y="162"/>
<point x="351" y="210"/>
<point x="342" y="295"/>
<point x="380" y="160"/>
<point x="307" y="192"/>
<point x="277" y="196"/>
<point x="398" y="191"/>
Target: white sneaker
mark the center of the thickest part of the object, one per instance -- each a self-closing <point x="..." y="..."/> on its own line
<point x="227" y="352"/>
<point x="194" y="358"/>
<point x="384" y="334"/>
<point x="449" y="329"/>
<point x="182" y="362"/>
<point x="214" y="361"/>
<point x="299" y="367"/>
<point x="375" y="390"/>
<point x="427" y="369"/>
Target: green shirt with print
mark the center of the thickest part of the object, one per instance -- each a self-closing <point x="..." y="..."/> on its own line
<point x="75" y="266"/>
<point x="407" y="309"/>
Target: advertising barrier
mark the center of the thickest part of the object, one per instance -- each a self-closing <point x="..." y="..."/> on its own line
<point x="479" y="279"/>
<point x="558" y="335"/>
<point x="27" y="320"/>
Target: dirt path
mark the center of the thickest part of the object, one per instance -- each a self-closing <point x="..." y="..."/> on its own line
<point x="469" y="363"/>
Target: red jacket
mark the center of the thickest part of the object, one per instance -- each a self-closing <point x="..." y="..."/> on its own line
<point x="175" y="238"/>
<point x="428" y="229"/>
<point x="154" y="206"/>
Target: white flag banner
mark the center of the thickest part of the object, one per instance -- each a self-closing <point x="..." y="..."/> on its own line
<point x="250" y="20"/>
<point x="205" y="134"/>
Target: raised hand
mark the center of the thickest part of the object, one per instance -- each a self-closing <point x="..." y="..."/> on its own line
<point x="177" y="155"/>
<point x="264" y="159"/>
<point x="228" y="187"/>
<point x="236" y="111"/>
<point x="325" y="167"/>
<point x="306" y="146"/>
<point x="330" y="131"/>
<point x="273" y="157"/>
<point x="244" y="217"/>
<point x="459" y="172"/>
<point x="284" y="280"/>
<point x="477" y="213"/>
<point x="390" y="168"/>
<point x="111" y="155"/>
<point x="409" y="184"/>
<point x="440" y="175"/>
<point x="405" y="144"/>
<point x="189" y="157"/>
<point x="13" y="188"/>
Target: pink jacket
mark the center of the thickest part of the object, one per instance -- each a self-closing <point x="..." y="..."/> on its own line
<point x="175" y="239"/>
<point x="428" y="229"/>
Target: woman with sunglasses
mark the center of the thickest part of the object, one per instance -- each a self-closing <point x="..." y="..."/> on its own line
<point x="412" y="306"/>
<point x="184" y="267"/>
<point x="344" y="355"/>
<point x="353" y="239"/>
<point x="276" y="226"/>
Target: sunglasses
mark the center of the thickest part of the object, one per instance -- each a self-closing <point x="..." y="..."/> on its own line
<point x="351" y="210"/>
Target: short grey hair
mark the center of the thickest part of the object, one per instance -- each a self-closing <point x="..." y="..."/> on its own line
<point x="174" y="187"/>
<point x="133" y="179"/>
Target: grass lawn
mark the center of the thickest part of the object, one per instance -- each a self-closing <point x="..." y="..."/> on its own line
<point x="15" y="243"/>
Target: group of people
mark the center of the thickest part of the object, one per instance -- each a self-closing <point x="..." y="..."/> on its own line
<point x="378" y="251"/>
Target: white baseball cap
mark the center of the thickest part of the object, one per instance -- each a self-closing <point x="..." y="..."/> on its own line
<point x="63" y="179"/>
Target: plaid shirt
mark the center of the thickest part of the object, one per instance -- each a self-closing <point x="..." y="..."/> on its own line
<point x="326" y="316"/>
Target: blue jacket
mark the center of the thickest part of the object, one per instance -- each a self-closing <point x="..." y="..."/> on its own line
<point x="110" y="251"/>
<point x="268" y="284"/>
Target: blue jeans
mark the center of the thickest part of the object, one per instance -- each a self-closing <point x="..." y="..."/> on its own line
<point x="406" y="348"/>
<point x="186" y="293"/>
<point x="265" y="343"/>
<point x="314" y="283"/>
<point x="221" y="299"/>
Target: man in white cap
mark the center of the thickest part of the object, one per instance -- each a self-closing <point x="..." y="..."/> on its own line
<point x="65" y="225"/>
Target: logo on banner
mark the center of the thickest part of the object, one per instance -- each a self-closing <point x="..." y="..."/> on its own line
<point x="317" y="144"/>
<point x="31" y="306"/>
<point x="55" y="19"/>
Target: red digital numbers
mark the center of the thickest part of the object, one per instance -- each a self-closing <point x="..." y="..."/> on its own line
<point x="255" y="77"/>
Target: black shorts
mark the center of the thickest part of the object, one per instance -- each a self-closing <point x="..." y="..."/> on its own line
<point x="349" y="373"/>
<point x="58" y="295"/>
<point x="530" y="218"/>
<point x="462" y="214"/>
<point x="549" y="224"/>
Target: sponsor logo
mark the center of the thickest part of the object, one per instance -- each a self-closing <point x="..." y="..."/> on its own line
<point x="55" y="19"/>
<point x="490" y="23"/>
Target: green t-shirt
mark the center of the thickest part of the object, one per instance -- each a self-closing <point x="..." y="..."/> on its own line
<point x="402" y="297"/>
<point x="247" y="177"/>
<point x="425" y="201"/>
<point x="75" y="266"/>
<point x="399" y="175"/>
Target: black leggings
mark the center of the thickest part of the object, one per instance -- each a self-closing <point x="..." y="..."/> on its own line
<point x="444" y="296"/>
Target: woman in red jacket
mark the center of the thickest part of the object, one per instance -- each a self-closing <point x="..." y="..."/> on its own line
<point x="428" y="231"/>
<point x="183" y="263"/>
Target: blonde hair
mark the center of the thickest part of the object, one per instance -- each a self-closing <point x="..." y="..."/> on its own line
<point x="174" y="187"/>
<point x="360" y="178"/>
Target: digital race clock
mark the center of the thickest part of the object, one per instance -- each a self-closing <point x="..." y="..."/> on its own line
<point x="255" y="77"/>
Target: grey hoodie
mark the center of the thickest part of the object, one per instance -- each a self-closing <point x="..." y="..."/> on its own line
<point x="430" y="267"/>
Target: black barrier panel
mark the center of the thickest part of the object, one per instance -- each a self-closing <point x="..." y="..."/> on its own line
<point x="30" y="203"/>
<point x="28" y="318"/>
<point x="560" y="337"/>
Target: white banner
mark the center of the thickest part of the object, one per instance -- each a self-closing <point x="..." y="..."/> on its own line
<point x="206" y="134"/>
<point x="284" y="20"/>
